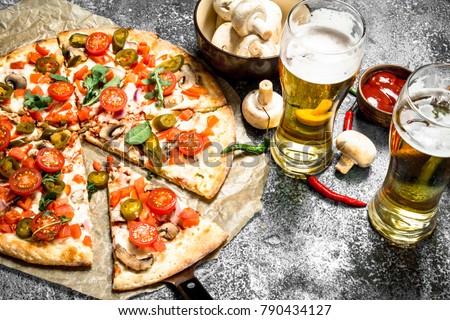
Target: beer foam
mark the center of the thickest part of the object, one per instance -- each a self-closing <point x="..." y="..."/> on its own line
<point x="321" y="53"/>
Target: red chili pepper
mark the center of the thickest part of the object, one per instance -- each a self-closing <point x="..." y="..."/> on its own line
<point x="323" y="190"/>
<point x="348" y="120"/>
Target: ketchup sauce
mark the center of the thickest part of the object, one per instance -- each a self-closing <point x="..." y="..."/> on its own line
<point x="382" y="90"/>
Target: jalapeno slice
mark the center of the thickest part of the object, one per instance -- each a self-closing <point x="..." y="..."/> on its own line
<point x="98" y="179"/>
<point x="5" y="91"/>
<point x="154" y="151"/>
<point x="126" y="57"/>
<point x="173" y="64"/>
<point x="56" y="186"/>
<point x="17" y="143"/>
<point x="164" y="122"/>
<point x="23" y="228"/>
<point x="47" y="64"/>
<point x="119" y="38"/>
<point x="78" y="40"/>
<point x="60" y="139"/>
<point x="25" y="127"/>
<point x="7" y="166"/>
<point x="131" y="209"/>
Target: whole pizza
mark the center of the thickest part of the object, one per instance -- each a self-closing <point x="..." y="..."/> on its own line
<point x="131" y="94"/>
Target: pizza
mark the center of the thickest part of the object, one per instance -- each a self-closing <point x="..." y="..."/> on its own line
<point x="154" y="234"/>
<point x="137" y="96"/>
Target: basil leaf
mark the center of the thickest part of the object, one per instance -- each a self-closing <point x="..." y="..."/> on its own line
<point x="50" y="177"/>
<point x="57" y="77"/>
<point x="114" y="82"/>
<point x="93" y="83"/>
<point x="91" y="189"/>
<point x="46" y="200"/>
<point x="36" y="102"/>
<point x="138" y="134"/>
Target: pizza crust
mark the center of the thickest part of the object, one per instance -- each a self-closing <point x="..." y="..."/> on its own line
<point x="67" y="252"/>
<point x="190" y="246"/>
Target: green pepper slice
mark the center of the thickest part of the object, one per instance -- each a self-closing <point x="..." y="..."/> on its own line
<point x="5" y="91"/>
<point x="60" y="139"/>
<point x="173" y="64"/>
<point x="57" y="186"/>
<point x="78" y="40"/>
<point x="154" y="151"/>
<point x="7" y="166"/>
<point x="119" y="38"/>
<point x="126" y="57"/>
<point x="23" y="228"/>
<point x="98" y="179"/>
<point x="164" y="122"/>
<point x="25" y="127"/>
<point x="131" y="209"/>
<point x="17" y="143"/>
<point x="47" y="64"/>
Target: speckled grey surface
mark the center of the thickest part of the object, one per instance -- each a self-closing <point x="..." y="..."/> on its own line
<point x="302" y="246"/>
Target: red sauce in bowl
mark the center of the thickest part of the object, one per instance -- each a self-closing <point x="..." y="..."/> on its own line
<point x="382" y="90"/>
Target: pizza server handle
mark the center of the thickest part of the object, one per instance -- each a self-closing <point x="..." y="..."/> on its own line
<point x="192" y="289"/>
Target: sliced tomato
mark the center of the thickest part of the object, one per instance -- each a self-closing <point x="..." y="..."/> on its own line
<point x="5" y="137"/>
<point x="169" y="76"/>
<point x="50" y="159"/>
<point x="162" y="201"/>
<point x="189" y="218"/>
<point x="113" y="99"/>
<point x="190" y="143"/>
<point x="142" y="234"/>
<point x="97" y="43"/>
<point x="46" y="226"/>
<point x="25" y="181"/>
<point x="61" y="90"/>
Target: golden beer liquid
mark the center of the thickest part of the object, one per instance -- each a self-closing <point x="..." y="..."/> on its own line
<point x="404" y="208"/>
<point x="299" y="148"/>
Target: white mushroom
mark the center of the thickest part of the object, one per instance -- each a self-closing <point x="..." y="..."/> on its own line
<point x="355" y="148"/>
<point x="253" y="46"/>
<point x="223" y="8"/>
<point x="273" y="19"/>
<point x="248" y="17"/>
<point x="226" y="38"/>
<point x="258" y="102"/>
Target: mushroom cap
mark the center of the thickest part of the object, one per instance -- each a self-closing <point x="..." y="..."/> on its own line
<point x="253" y="110"/>
<point x="356" y="146"/>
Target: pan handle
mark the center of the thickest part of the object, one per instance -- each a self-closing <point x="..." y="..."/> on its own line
<point x="192" y="289"/>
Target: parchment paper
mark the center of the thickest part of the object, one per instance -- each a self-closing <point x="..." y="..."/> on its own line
<point x="237" y="201"/>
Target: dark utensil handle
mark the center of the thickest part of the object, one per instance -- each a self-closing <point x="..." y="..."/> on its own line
<point x="192" y="289"/>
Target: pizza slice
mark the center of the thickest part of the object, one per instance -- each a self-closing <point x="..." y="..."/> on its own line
<point x="154" y="234"/>
<point x="44" y="212"/>
<point x="32" y="83"/>
<point x="183" y="147"/>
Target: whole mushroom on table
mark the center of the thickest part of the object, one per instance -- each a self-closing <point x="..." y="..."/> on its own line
<point x="249" y="28"/>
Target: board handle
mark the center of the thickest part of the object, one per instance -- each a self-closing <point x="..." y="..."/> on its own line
<point x="192" y="289"/>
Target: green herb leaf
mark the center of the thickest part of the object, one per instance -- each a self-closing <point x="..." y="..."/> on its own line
<point x="91" y="189"/>
<point x="57" y="77"/>
<point x="138" y="134"/>
<point x="36" y="102"/>
<point x="157" y="92"/>
<point x="50" y="177"/>
<point x="150" y="175"/>
<point x="46" y="200"/>
<point x="94" y="82"/>
<point x="114" y="82"/>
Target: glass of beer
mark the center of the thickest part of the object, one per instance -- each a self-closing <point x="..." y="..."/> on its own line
<point x="320" y="56"/>
<point x="404" y="209"/>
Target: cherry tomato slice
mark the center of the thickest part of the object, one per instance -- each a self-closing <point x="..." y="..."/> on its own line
<point x="162" y="201"/>
<point x="61" y="90"/>
<point x="25" y="181"/>
<point x="45" y="226"/>
<point x="97" y="43"/>
<point x="5" y="137"/>
<point x="168" y="76"/>
<point x="190" y="143"/>
<point x="113" y="99"/>
<point x="142" y="234"/>
<point x="50" y="159"/>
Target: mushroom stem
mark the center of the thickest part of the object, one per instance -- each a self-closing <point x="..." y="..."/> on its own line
<point x="345" y="164"/>
<point x="265" y="92"/>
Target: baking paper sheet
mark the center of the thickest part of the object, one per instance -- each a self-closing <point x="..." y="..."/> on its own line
<point x="237" y="201"/>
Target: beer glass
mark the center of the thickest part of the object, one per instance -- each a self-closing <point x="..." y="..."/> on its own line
<point x="404" y="208"/>
<point x="320" y="55"/>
